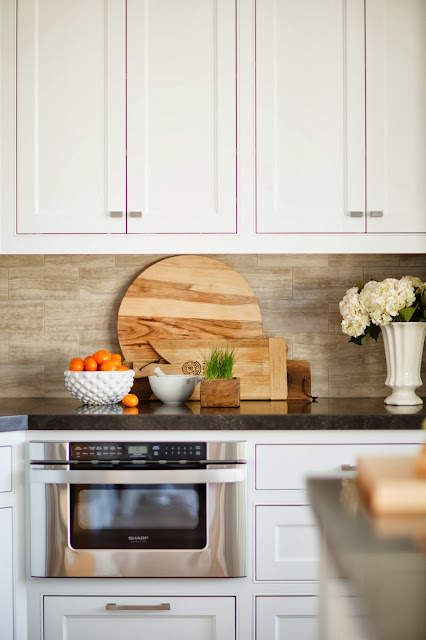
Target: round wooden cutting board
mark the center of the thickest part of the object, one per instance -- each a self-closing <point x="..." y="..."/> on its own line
<point x="186" y="296"/>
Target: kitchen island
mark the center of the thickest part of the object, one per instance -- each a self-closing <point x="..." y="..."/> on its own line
<point x="373" y="576"/>
<point x="323" y="414"/>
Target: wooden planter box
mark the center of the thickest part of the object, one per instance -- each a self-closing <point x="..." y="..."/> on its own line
<point x="220" y="393"/>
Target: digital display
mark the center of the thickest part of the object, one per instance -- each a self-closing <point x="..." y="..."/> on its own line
<point x="137" y="449"/>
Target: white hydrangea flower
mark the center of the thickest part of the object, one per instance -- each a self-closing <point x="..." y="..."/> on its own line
<point x="414" y="281"/>
<point x="355" y="319"/>
<point x="382" y="301"/>
<point x="377" y="303"/>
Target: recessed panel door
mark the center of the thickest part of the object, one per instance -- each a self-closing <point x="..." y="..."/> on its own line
<point x="310" y="135"/>
<point x="181" y="67"/>
<point x="396" y="123"/>
<point x="71" y="121"/>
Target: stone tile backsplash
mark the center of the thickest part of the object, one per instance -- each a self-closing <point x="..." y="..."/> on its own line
<point x="54" y="307"/>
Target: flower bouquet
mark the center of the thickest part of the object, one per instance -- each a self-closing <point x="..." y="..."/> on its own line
<point x="366" y="309"/>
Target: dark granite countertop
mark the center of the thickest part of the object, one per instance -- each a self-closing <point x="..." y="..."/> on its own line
<point x="325" y="414"/>
<point x="383" y="558"/>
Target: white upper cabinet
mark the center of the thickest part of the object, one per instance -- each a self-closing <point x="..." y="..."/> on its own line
<point x="341" y="95"/>
<point x="310" y="116"/>
<point x="181" y="119"/>
<point x="215" y="126"/>
<point x="72" y="124"/>
<point x="396" y="115"/>
<point x="71" y="121"/>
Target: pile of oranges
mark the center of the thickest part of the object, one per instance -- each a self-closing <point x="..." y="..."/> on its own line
<point x="100" y="361"/>
<point x="103" y="360"/>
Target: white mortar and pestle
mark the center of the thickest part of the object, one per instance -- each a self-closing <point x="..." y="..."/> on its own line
<point x="172" y="389"/>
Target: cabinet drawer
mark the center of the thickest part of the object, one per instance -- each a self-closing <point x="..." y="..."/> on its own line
<point x="286" y="618"/>
<point x="287" y="543"/>
<point x="286" y="466"/>
<point x="133" y="618"/>
<point x="5" y="469"/>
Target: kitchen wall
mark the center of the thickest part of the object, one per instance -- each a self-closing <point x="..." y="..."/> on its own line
<point x="55" y="307"/>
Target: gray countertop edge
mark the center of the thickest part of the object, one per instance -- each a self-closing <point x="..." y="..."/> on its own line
<point x="225" y="422"/>
<point x="219" y="422"/>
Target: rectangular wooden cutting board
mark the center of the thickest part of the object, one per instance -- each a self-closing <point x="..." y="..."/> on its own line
<point x="261" y="364"/>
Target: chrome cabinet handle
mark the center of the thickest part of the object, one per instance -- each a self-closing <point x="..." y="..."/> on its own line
<point x="116" y="214"/>
<point x="135" y="214"/>
<point x="348" y="467"/>
<point x="376" y="214"/>
<point x="168" y="476"/>
<point x="356" y="214"/>
<point x="111" y="606"/>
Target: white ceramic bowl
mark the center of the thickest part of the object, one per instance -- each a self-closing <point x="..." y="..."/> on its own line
<point x="173" y="389"/>
<point x="99" y="387"/>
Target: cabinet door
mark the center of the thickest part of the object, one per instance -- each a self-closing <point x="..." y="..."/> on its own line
<point x="181" y="75"/>
<point x="310" y="116"/>
<point x="6" y="574"/>
<point x="83" y="618"/>
<point x="396" y="108"/>
<point x="71" y="116"/>
<point x="286" y="543"/>
<point x="286" y="618"/>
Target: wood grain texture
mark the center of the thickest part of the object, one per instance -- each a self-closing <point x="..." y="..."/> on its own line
<point x="186" y="297"/>
<point x="299" y="378"/>
<point x="277" y="368"/>
<point x="220" y="393"/>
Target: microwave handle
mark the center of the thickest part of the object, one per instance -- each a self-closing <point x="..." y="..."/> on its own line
<point x="166" y="476"/>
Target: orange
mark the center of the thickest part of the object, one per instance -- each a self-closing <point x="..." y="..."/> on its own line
<point x="130" y="400"/>
<point x="116" y="357"/>
<point x="76" y="364"/>
<point x="131" y="410"/>
<point x="90" y="364"/>
<point x="122" y="368"/>
<point x="108" y="365"/>
<point x="102" y="356"/>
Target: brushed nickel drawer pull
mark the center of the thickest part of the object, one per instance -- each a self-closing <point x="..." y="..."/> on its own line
<point x="135" y="214"/>
<point x="116" y="214"/>
<point x="111" y="606"/>
<point x="357" y="214"/>
<point x="376" y="214"/>
<point x="348" y="467"/>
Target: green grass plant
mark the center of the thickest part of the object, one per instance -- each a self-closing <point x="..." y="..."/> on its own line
<point x="219" y="363"/>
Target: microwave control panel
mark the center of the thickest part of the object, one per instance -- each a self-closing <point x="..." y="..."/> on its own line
<point x="138" y="451"/>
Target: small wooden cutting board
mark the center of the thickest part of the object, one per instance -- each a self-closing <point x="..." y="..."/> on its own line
<point x="260" y="364"/>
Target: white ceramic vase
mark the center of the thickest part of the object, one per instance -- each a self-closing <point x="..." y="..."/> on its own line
<point x="403" y="349"/>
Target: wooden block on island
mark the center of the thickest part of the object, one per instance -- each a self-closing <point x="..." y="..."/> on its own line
<point x="390" y="486"/>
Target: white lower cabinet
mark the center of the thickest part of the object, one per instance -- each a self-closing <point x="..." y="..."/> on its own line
<point x="287" y="547"/>
<point x="6" y="574"/>
<point x="133" y="618"/>
<point x="286" y="618"/>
